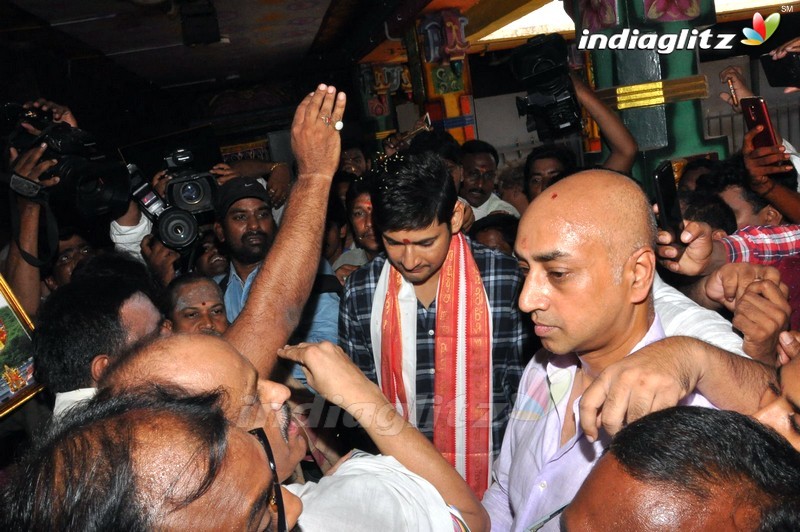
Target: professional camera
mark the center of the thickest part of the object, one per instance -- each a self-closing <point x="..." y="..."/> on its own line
<point x="550" y="105"/>
<point x="91" y="183"/>
<point x="189" y="189"/>
<point x="188" y="202"/>
<point x="174" y="227"/>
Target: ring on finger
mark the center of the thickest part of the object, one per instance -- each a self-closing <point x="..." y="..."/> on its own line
<point x="326" y="119"/>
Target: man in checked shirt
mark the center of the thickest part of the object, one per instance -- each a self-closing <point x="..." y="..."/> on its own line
<point x="435" y="321"/>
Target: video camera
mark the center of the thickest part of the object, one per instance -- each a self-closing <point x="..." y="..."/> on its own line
<point x="91" y="183"/>
<point x="550" y="105"/>
<point x="188" y="203"/>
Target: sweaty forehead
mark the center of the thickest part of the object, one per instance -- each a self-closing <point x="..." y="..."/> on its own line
<point x="546" y="231"/>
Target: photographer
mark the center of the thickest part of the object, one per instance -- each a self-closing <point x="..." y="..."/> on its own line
<point x="548" y="162"/>
<point x="26" y="276"/>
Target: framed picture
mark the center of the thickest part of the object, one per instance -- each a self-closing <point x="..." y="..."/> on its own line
<point x="16" y="360"/>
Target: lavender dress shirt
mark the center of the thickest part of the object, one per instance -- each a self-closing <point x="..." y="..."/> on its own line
<point x="535" y="475"/>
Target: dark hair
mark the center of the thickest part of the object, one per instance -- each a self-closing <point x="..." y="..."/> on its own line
<point x="693" y="449"/>
<point x="342" y="177"/>
<point x="359" y="186"/>
<point x="550" y="151"/>
<point x="505" y="224"/>
<point x="411" y="191"/>
<point x="81" y="473"/>
<point x="77" y="322"/>
<point x="119" y="265"/>
<point x="700" y="206"/>
<point x="440" y="142"/>
<point x="698" y="164"/>
<point x="727" y="174"/>
<point x="478" y="146"/>
<point x="170" y="299"/>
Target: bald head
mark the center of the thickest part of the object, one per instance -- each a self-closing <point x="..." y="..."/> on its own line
<point x="588" y="243"/>
<point x="195" y="362"/>
<point x="603" y="206"/>
<point x="146" y="456"/>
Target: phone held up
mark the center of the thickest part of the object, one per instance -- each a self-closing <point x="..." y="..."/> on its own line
<point x="665" y="189"/>
<point x="755" y="113"/>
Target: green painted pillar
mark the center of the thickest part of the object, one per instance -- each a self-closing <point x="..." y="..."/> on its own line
<point x="671" y="130"/>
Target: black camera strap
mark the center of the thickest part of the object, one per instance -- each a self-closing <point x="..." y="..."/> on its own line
<point x="48" y="229"/>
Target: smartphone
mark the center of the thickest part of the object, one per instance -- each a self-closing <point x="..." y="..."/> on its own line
<point x="755" y="114"/>
<point x="785" y="72"/>
<point x="665" y="189"/>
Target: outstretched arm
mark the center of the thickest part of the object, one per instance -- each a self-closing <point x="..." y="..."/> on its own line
<point x="620" y="141"/>
<point x="664" y="372"/>
<point x="331" y="372"/>
<point x="284" y="282"/>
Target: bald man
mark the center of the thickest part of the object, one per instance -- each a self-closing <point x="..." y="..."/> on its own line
<point x="589" y="245"/>
<point x="411" y="488"/>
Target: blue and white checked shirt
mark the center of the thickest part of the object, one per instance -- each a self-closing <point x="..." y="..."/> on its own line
<point x="502" y="280"/>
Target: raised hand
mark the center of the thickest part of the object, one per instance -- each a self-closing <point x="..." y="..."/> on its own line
<point x="315" y="141"/>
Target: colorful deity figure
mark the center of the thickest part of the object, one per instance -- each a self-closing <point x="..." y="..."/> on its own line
<point x="13" y="378"/>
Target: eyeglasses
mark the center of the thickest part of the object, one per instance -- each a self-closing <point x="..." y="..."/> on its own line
<point x="276" y="501"/>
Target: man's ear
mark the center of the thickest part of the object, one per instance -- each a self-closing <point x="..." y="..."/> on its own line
<point x="771" y="216"/>
<point x="458" y="218"/>
<point x="50" y="282"/>
<point x="98" y="367"/>
<point x="642" y="265"/>
<point x="219" y="232"/>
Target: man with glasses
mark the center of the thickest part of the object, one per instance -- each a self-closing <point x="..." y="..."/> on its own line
<point x="480" y="162"/>
<point x="154" y="459"/>
<point x="408" y="489"/>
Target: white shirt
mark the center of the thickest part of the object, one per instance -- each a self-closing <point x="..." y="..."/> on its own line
<point x="680" y="316"/>
<point x="369" y="493"/>
<point x="494" y="204"/>
<point x="67" y="400"/>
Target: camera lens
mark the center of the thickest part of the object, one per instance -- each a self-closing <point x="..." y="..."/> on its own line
<point x="191" y="193"/>
<point x="177" y="228"/>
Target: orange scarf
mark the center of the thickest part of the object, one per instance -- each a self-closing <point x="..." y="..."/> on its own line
<point x="463" y="364"/>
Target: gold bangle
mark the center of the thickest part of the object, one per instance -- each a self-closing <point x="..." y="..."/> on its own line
<point x="275" y="165"/>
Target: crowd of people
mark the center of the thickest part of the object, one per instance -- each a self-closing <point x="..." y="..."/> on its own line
<point x="420" y="341"/>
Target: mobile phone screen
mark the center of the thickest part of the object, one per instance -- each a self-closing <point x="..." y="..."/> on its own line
<point x="665" y="190"/>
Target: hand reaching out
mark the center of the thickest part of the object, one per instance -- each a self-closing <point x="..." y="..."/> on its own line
<point x="160" y="259"/>
<point x="761" y="314"/>
<point x="61" y="113"/>
<point x="728" y="284"/>
<point x="331" y="373"/>
<point x="223" y="173"/>
<point x="736" y="77"/>
<point x="761" y="163"/>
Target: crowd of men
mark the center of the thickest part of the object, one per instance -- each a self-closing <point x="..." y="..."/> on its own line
<point x="421" y="343"/>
